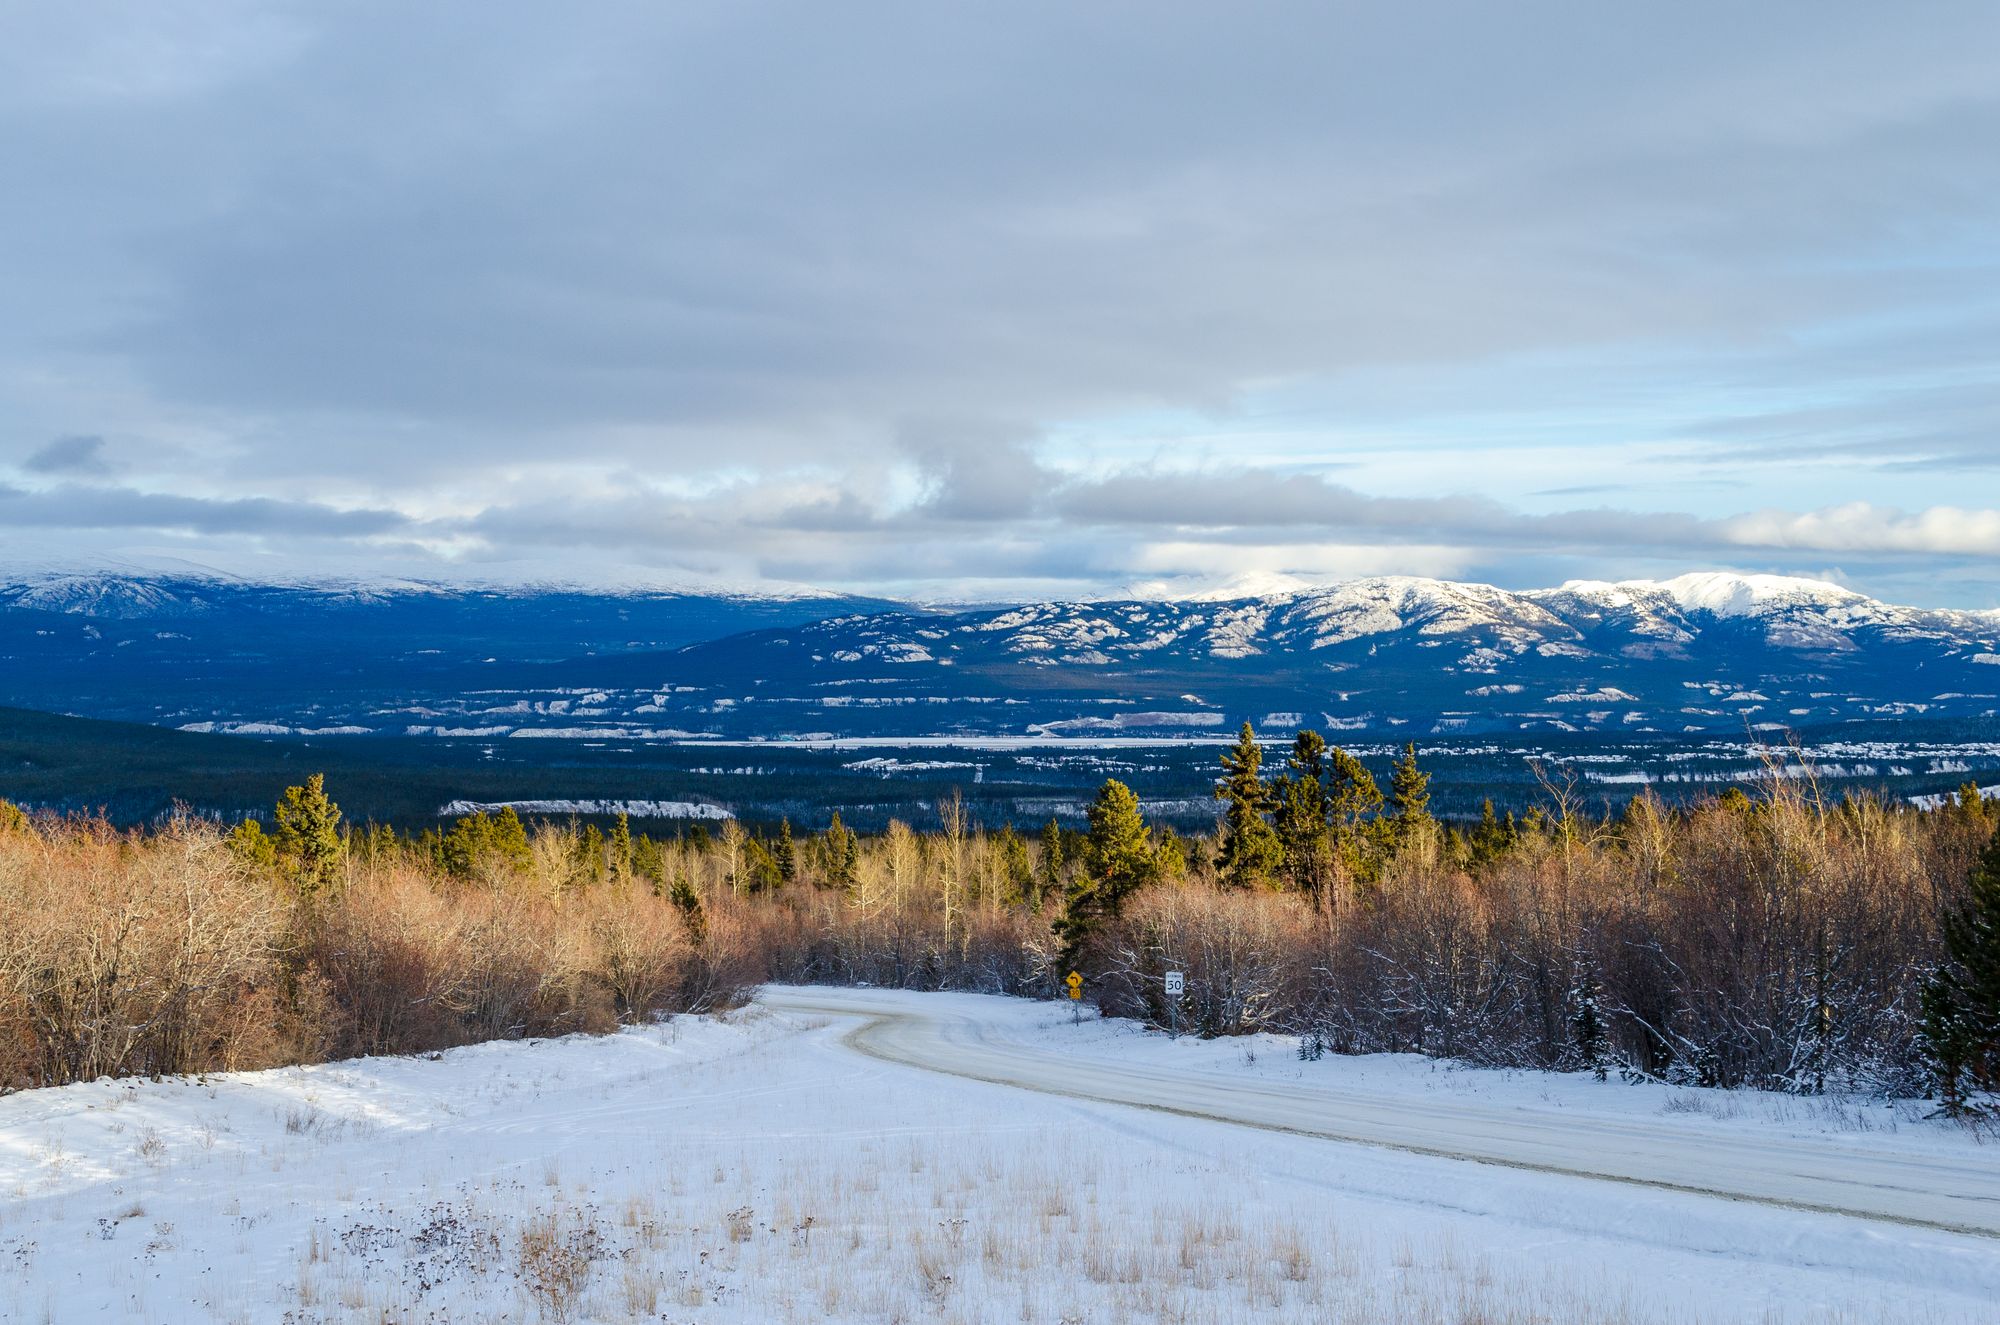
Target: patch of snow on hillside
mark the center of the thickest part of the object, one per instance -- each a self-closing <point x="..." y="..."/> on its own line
<point x="1234" y="631"/>
<point x="1125" y="722"/>
<point x="271" y="729"/>
<point x="635" y="808"/>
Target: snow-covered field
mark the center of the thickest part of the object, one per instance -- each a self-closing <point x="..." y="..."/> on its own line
<point x="757" y="1168"/>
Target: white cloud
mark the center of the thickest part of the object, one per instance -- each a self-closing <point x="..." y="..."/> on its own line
<point x="851" y="294"/>
<point x="1861" y="527"/>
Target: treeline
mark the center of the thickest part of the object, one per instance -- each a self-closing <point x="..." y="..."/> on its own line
<point x="1771" y="940"/>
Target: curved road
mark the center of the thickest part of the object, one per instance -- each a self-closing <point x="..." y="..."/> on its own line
<point x="1958" y="1193"/>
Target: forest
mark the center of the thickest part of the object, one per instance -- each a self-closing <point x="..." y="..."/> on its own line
<point x="1772" y="938"/>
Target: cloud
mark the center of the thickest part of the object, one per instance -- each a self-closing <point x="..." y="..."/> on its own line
<point x="987" y="476"/>
<point x="887" y="298"/>
<point x="101" y="508"/>
<point x="1860" y="527"/>
<point x="74" y="454"/>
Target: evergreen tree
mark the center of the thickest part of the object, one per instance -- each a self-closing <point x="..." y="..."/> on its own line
<point x="1303" y="814"/>
<point x="1117" y="861"/>
<point x="649" y="862"/>
<point x="1491" y="838"/>
<point x="373" y="844"/>
<point x="590" y="855"/>
<point x="1961" y="1003"/>
<point x="484" y="846"/>
<point x="308" y="841"/>
<point x="620" y="849"/>
<point x="1250" y="850"/>
<point x="1353" y="799"/>
<point x="786" y="853"/>
<point x="1976" y="810"/>
<point x="508" y="840"/>
<point x="1018" y="870"/>
<point x="1586" y="1022"/>
<point x="688" y="902"/>
<point x="1052" y="862"/>
<point x="760" y="869"/>
<point x="1409" y="797"/>
<point x="253" y="846"/>
<point x="843" y="854"/>
<point x="1118" y="854"/>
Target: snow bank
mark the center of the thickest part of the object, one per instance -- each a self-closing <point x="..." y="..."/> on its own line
<point x="755" y="1168"/>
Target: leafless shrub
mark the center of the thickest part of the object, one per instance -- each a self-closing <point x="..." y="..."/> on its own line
<point x="1774" y="941"/>
<point x="558" y="1250"/>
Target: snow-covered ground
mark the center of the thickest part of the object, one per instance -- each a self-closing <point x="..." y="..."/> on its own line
<point x="758" y="1168"/>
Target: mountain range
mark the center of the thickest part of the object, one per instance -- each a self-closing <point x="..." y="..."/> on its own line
<point x="1702" y="653"/>
<point x="639" y="694"/>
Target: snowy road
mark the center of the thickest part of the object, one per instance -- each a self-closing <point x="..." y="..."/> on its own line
<point x="1957" y="1192"/>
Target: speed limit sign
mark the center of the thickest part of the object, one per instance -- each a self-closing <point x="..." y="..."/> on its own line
<point x="1175" y="984"/>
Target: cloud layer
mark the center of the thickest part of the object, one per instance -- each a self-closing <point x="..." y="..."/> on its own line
<point x="1049" y="298"/>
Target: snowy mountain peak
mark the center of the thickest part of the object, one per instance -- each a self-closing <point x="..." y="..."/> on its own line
<point x="1729" y="595"/>
<point x="112" y="597"/>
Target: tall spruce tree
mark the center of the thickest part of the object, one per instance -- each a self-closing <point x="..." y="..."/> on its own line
<point x="590" y="855"/>
<point x="1018" y="870"/>
<point x="786" y="853"/>
<point x="1118" y="860"/>
<point x="1961" y="1003"/>
<point x="1491" y="837"/>
<point x="1250" y="850"/>
<point x="1050" y="878"/>
<point x="1303" y="813"/>
<point x="760" y="868"/>
<point x="1353" y="801"/>
<point x="843" y="854"/>
<point x="308" y="839"/>
<point x="619" y="852"/>
<point x="1409" y="797"/>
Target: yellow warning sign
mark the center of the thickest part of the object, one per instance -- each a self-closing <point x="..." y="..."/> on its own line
<point x="1075" y="983"/>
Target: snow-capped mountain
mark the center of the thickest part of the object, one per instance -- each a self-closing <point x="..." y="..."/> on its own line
<point x="1709" y="653"/>
<point x="1633" y="619"/>
<point x="1700" y="653"/>
<point x="195" y="646"/>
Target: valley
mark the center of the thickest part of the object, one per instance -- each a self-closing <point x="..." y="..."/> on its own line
<point x="771" y="707"/>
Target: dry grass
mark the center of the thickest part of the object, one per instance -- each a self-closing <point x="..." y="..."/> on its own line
<point x="1006" y="1251"/>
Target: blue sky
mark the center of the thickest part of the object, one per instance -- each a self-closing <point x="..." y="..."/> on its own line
<point x="1039" y="300"/>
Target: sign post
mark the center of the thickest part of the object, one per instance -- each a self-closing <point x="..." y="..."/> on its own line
<point x="1075" y="983"/>
<point x="1176" y="984"/>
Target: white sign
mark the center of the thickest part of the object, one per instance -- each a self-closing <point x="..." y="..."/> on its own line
<point x="1174" y="984"/>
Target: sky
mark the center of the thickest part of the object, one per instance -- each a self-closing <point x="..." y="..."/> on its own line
<point x="986" y="302"/>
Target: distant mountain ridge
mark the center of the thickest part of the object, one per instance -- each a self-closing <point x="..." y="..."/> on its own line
<point x="419" y="695"/>
<point x="126" y="595"/>
<point x="1700" y="653"/>
<point x="1710" y="653"/>
<point x="180" y="648"/>
<point x="1634" y="619"/>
